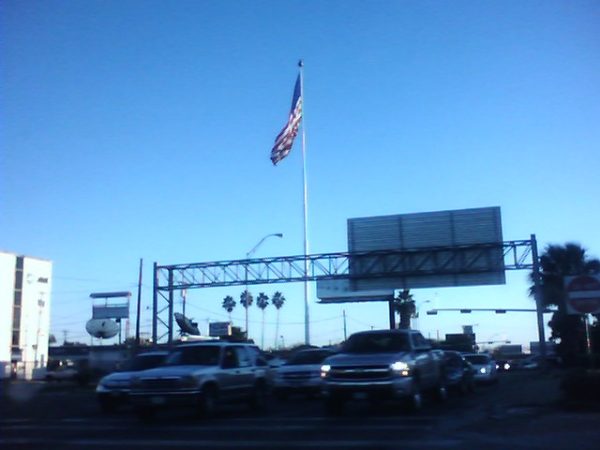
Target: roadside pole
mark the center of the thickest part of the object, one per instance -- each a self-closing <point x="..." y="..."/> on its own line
<point x="538" y="300"/>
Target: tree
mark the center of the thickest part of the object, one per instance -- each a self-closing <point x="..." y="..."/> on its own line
<point x="246" y="300"/>
<point x="278" y="300"/>
<point x="228" y="304"/>
<point x="262" y="302"/>
<point x="404" y="305"/>
<point x="557" y="262"/>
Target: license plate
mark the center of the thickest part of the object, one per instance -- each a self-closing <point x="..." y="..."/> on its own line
<point x="360" y="396"/>
<point x="157" y="400"/>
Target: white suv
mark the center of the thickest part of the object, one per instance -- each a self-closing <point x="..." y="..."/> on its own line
<point x="202" y="375"/>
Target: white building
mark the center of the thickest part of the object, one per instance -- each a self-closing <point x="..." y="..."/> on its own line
<point x="25" y="287"/>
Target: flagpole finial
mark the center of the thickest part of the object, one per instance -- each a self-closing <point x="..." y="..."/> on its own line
<point x="300" y="63"/>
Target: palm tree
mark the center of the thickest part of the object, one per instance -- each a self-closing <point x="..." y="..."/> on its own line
<point x="404" y="305"/>
<point x="228" y="304"/>
<point x="557" y="262"/>
<point x="246" y="300"/>
<point x="278" y="300"/>
<point x="262" y="302"/>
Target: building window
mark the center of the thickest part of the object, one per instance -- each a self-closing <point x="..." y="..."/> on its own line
<point x="18" y="295"/>
<point x="19" y="279"/>
<point x="16" y="318"/>
<point x="15" y="339"/>
<point x="20" y="260"/>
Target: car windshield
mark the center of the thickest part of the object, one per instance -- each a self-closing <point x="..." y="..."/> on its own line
<point x="477" y="359"/>
<point x="196" y="355"/>
<point x="311" y="357"/>
<point x="143" y="362"/>
<point x="377" y="343"/>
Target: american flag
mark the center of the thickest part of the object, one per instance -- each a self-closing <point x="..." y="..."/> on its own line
<point x="285" y="139"/>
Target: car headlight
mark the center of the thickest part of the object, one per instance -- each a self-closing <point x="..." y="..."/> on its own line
<point x="401" y="368"/>
<point x="506" y="366"/>
<point x="325" y="368"/>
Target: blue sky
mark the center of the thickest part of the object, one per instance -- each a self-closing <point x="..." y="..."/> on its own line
<point x="142" y="129"/>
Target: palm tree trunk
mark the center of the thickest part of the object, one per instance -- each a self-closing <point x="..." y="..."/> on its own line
<point x="276" y="328"/>
<point x="262" y="335"/>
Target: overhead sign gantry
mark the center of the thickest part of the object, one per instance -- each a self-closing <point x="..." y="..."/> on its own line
<point x="470" y="252"/>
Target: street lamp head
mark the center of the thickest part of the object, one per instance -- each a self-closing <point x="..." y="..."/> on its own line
<point x="279" y="235"/>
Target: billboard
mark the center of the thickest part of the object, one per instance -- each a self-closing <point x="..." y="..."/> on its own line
<point x="436" y="249"/>
<point x="340" y="291"/>
<point x="219" y="329"/>
<point x="120" y="311"/>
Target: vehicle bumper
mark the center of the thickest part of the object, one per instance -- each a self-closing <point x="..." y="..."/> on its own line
<point x="392" y="389"/>
<point x="485" y="377"/>
<point x="304" y="385"/>
<point x="158" y="399"/>
<point x="115" y="396"/>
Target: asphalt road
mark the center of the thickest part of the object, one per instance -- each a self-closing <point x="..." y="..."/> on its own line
<point x="519" y="412"/>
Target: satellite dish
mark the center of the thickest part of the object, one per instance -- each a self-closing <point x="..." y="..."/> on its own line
<point x="186" y="325"/>
<point x="102" y="328"/>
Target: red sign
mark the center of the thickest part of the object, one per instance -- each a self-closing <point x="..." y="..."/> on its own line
<point x="583" y="294"/>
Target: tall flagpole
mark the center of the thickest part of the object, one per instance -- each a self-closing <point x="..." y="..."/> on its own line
<point x="305" y="203"/>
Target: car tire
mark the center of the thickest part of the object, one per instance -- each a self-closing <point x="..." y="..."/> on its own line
<point x="107" y="405"/>
<point x="415" y="399"/>
<point x="145" y="414"/>
<point x="471" y="386"/>
<point x="282" y="396"/>
<point x="208" y="401"/>
<point x="334" y="405"/>
<point x="441" y="393"/>
<point x="258" y="402"/>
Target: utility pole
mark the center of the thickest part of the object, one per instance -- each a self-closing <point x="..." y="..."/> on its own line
<point x="139" y="302"/>
<point x="345" y="334"/>
<point x="538" y="299"/>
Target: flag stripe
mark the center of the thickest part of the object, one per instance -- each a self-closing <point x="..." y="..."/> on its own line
<point x="285" y="139"/>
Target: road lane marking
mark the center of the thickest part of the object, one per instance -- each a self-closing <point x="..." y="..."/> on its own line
<point x="171" y="443"/>
<point x="211" y="428"/>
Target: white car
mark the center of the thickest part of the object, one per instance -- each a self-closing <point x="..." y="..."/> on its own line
<point x="301" y="374"/>
<point x="485" y="367"/>
<point x="113" y="389"/>
<point x="64" y="372"/>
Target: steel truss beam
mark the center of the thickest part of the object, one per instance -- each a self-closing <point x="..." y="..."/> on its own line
<point x="454" y="260"/>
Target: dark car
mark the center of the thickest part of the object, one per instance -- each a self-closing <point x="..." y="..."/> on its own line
<point x="458" y="373"/>
<point x="301" y="374"/>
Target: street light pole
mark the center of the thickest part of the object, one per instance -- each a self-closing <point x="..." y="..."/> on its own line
<point x="248" y="255"/>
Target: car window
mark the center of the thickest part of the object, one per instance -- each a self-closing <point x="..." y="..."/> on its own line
<point x="243" y="357"/>
<point x="377" y="343"/>
<point x="452" y="360"/>
<point x="477" y="359"/>
<point x="194" y="355"/>
<point x="230" y="358"/>
<point x="308" y="357"/>
<point x="419" y="341"/>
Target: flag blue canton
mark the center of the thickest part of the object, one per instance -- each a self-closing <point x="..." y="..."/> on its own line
<point x="285" y="139"/>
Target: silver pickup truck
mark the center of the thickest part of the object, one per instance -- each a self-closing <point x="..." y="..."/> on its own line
<point x="382" y="365"/>
<point x="202" y="375"/>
